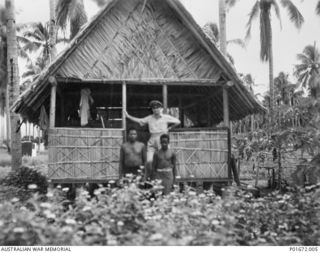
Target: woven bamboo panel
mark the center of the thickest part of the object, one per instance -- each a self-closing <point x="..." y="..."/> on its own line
<point x="82" y="154"/>
<point x="201" y="154"/>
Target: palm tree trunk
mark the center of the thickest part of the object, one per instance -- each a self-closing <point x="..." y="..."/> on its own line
<point x="271" y="85"/>
<point x="13" y="84"/>
<point x="53" y="30"/>
<point x="222" y="26"/>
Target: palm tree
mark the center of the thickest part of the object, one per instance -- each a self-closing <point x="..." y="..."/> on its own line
<point x="53" y="29"/>
<point x="224" y="5"/>
<point x="212" y="31"/>
<point x="318" y="8"/>
<point x="71" y="11"/>
<point x="308" y="70"/>
<point x="13" y="83"/>
<point x="264" y="7"/>
<point x="36" y="36"/>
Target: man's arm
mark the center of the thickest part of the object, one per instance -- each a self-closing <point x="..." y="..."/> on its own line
<point x="174" y="122"/>
<point x="140" y="121"/>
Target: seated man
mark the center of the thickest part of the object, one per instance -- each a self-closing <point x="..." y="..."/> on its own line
<point x="164" y="164"/>
<point x="132" y="154"/>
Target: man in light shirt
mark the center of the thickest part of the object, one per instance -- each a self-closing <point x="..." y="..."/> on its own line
<point x="158" y="124"/>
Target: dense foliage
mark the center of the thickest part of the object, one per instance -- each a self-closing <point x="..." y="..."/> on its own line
<point x="24" y="177"/>
<point x="130" y="216"/>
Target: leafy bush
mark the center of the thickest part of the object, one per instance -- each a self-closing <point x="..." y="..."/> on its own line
<point x="26" y="178"/>
<point x="128" y="216"/>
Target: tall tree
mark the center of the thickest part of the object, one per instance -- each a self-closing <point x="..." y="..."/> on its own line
<point x="71" y="11"/>
<point x="53" y="29"/>
<point x="13" y="89"/>
<point x="223" y="7"/>
<point x="264" y="8"/>
<point x="308" y="71"/>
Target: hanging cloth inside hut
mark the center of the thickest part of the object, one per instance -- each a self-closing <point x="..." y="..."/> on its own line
<point x="85" y="102"/>
<point x="43" y="119"/>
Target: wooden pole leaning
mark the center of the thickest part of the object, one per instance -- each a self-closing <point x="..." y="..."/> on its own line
<point x="165" y="98"/>
<point x="124" y="108"/>
<point x="53" y="98"/>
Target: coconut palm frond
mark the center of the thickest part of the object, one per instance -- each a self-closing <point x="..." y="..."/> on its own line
<point x="318" y="8"/>
<point x="293" y="12"/>
<point x="265" y="32"/>
<point x="62" y="12"/>
<point x="28" y="73"/>
<point x="304" y="59"/>
<point x="230" y="58"/>
<point x="277" y="11"/>
<point x="62" y="40"/>
<point x="238" y="42"/>
<point x="311" y="52"/>
<point x="231" y="3"/>
<point x="252" y="16"/>
<point x="100" y="3"/>
<point x="212" y="31"/>
<point x="78" y="17"/>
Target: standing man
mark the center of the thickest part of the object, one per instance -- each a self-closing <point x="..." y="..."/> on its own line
<point x="132" y="154"/>
<point x="164" y="164"/>
<point x="158" y="124"/>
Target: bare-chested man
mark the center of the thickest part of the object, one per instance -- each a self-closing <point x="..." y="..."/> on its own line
<point x="164" y="164"/>
<point x="132" y="154"/>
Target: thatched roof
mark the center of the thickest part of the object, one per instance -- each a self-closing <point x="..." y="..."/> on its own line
<point x="129" y="41"/>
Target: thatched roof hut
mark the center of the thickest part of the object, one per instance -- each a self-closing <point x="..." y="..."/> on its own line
<point x="156" y="43"/>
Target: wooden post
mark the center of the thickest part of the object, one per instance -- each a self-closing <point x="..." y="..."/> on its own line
<point x="165" y="98"/>
<point x="62" y="111"/>
<point x="226" y="118"/>
<point x="53" y="99"/>
<point x="124" y="108"/>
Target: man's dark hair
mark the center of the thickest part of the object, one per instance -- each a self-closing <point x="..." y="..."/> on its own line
<point x="165" y="136"/>
<point x="131" y="129"/>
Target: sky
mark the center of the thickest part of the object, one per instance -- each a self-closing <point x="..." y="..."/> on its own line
<point x="287" y="42"/>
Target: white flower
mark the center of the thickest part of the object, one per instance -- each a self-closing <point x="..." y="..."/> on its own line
<point x="215" y="222"/>
<point x="18" y="230"/>
<point x="46" y="205"/>
<point x="112" y="182"/>
<point x="192" y="193"/>
<point x="32" y="186"/>
<point x="65" y="189"/>
<point x="49" y="194"/>
<point x="15" y="200"/>
<point x="120" y="223"/>
<point x="86" y="208"/>
<point x="156" y="237"/>
<point x="71" y="221"/>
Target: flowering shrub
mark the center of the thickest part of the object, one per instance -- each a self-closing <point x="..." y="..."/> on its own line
<point x="131" y="216"/>
<point x="27" y="179"/>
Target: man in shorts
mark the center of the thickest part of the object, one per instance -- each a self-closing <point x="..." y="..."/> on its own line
<point x="164" y="164"/>
<point x="158" y="124"/>
<point x="132" y="154"/>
